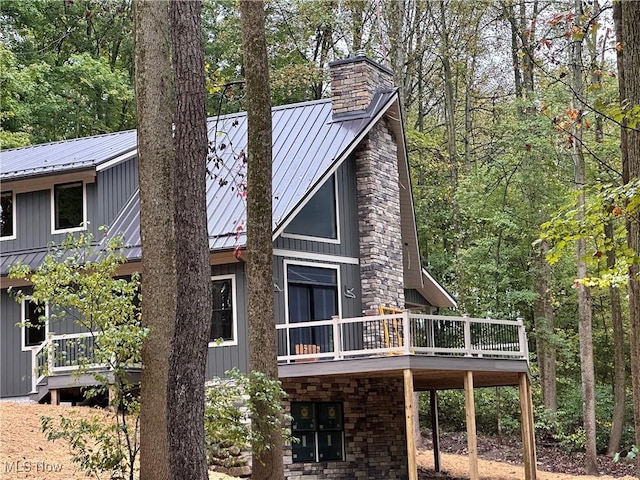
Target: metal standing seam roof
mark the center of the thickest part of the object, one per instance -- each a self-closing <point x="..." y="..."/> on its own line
<point x="306" y="144"/>
<point x="66" y="155"/>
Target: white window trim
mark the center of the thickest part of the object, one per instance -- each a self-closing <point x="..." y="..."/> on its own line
<point x="13" y="217"/>
<point x="286" y="264"/>
<point x="335" y="241"/>
<point x="234" y="303"/>
<point x="53" y="210"/>
<point x="23" y="319"/>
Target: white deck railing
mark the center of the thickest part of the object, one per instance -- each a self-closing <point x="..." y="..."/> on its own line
<point x="401" y="334"/>
<point x="61" y="354"/>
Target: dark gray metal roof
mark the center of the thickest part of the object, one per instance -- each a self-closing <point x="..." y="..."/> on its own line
<point x="308" y="144"/>
<point x="64" y="156"/>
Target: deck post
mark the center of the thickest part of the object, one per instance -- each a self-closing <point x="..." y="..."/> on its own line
<point x="528" y="431"/>
<point x="470" y="413"/>
<point x="408" y="411"/>
<point x="55" y="397"/>
<point x="433" y="403"/>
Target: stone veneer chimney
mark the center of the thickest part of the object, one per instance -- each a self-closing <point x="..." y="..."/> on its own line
<point x="354" y="84"/>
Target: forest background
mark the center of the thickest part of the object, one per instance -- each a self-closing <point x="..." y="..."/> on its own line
<point x="503" y="101"/>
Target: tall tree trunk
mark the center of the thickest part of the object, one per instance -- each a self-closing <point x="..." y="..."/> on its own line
<point x="449" y="113"/>
<point x="544" y="320"/>
<point x="619" y="354"/>
<point x="584" y="296"/>
<point x="154" y="102"/>
<point x="267" y="465"/>
<point x="188" y="356"/>
<point x="631" y="167"/>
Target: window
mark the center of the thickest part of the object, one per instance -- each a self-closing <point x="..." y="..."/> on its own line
<point x="35" y="324"/>
<point x="223" y="315"/>
<point x="319" y="428"/>
<point x="318" y="218"/>
<point x="68" y="207"/>
<point x="312" y="295"/>
<point x="7" y="216"/>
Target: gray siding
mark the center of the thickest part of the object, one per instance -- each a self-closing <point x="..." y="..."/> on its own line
<point x="222" y="358"/>
<point x="350" y="307"/>
<point x="33" y="220"/>
<point x="15" y="365"/>
<point x="115" y="186"/>
<point x="347" y="218"/>
<point x="105" y="198"/>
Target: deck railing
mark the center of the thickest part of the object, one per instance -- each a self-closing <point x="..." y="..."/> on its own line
<point x="61" y="354"/>
<point x="401" y="334"/>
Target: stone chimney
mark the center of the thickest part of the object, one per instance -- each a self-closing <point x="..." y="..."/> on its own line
<point x="354" y="84"/>
<point x="355" y="81"/>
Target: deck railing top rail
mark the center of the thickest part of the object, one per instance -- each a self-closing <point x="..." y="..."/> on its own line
<point x="401" y="334"/>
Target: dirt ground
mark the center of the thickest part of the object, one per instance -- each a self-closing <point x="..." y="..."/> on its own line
<point x="26" y="454"/>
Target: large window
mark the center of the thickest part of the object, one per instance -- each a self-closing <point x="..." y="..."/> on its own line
<point x="223" y="315"/>
<point x="68" y="206"/>
<point x="34" y="321"/>
<point x="7" y="216"/>
<point x="319" y="428"/>
<point x="312" y="295"/>
<point x="318" y="218"/>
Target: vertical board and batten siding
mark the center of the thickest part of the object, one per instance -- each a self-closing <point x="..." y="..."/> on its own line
<point x="115" y="187"/>
<point x="348" y="247"/>
<point x="15" y="365"/>
<point x="225" y="357"/>
<point x="105" y="198"/>
<point x="33" y="220"/>
<point x="15" y="370"/>
<point x="347" y="218"/>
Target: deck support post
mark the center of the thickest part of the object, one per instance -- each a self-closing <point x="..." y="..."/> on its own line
<point x="470" y="413"/>
<point x="55" y="397"/>
<point x="408" y="410"/>
<point x="433" y="404"/>
<point x="528" y="430"/>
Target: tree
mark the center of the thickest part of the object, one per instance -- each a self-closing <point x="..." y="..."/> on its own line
<point x="77" y="281"/>
<point x="154" y="100"/>
<point x="190" y="340"/>
<point x="267" y="465"/>
<point x="73" y="73"/>
<point x="584" y="295"/>
<point x="630" y="96"/>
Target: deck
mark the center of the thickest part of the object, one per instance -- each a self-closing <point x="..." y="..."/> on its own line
<point x="437" y="349"/>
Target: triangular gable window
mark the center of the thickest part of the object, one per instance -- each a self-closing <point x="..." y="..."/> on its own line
<point x="318" y="218"/>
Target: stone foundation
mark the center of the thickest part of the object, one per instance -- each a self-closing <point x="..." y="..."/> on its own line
<point x="374" y="428"/>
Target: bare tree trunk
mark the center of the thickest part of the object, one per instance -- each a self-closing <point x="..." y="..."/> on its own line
<point x="188" y="357"/>
<point x="449" y="113"/>
<point x="619" y="355"/>
<point x="261" y="315"/>
<point x="154" y="102"/>
<point x="544" y="319"/>
<point x="584" y="296"/>
<point x="630" y="16"/>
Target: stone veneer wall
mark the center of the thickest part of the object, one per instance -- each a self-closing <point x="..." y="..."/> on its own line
<point x="354" y="83"/>
<point x="378" y="193"/>
<point x="374" y="428"/>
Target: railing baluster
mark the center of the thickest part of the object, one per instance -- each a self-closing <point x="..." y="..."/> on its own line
<point x="337" y="338"/>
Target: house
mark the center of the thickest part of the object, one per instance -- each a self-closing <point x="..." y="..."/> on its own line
<point x="348" y="278"/>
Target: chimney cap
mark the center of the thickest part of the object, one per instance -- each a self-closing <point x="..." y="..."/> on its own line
<point x="361" y="58"/>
